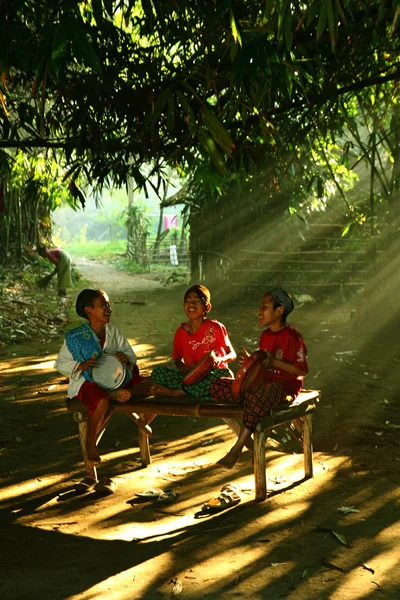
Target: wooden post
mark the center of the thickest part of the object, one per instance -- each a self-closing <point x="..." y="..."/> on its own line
<point x="144" y="445"/>
<point x="260" y="476"/>
<point x="307" y="446"/>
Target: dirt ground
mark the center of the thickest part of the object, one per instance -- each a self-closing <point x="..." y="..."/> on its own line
<point x="336" y="536"/>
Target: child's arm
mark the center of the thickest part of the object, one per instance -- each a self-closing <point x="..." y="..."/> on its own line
<point x="230" y="355"/>
<point x="123" y="350"/>
<point x="66" y="364"/>
<point x="225" y="345"/>
<point x="289" y="367"/>
<point x="181" y="365"/>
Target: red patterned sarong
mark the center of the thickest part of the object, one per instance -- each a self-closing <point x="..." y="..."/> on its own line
<point x="257" y="402"/>
<point x="90" y="393"/>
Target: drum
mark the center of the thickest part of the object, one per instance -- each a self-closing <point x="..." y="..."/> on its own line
<point x="108" y="372"/>
<point x="200" y="369"/>
<point x="250" y="374"/>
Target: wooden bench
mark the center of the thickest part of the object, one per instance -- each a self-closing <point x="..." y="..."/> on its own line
<point x="143" y="410"/>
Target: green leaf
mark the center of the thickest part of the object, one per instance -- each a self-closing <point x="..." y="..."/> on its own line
<point x="97" y="11"/>
<point x="235" y="32"/>
<point x="313" y="11"/>
<point x="322" y="20"/>
<point x="191" y="120"/>
<point x="217" y="130"/>
<point x="209" y="146"/>
<point x="332" y="21"/>
<point x="83" y="49"/>
<point x="159" y="107"/>
<point x="58" y="48"/>
<point x="171" y="113"/>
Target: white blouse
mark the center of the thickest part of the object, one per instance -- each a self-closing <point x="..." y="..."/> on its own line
<point x="65" y="363"/>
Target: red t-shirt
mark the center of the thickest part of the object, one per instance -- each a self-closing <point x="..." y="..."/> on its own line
<point x="191" y="347"/>
<point x="54" y="255"/>
<point x="287" y="345"/>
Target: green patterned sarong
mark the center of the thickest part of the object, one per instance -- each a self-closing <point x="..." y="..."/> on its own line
<point x="173" y="379"/>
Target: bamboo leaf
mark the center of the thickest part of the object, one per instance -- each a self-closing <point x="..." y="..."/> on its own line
<point x="210" y="147"/>
<point x="171" y="113"/>
<point x="312" y="12"/>
<point x="235" y="31"/>
<point x="332" y="22"/>
<point x="341" y="12"/>
<point x="97" y="11"/>
<point x="83" y="49"/>
<point x="322" y="20"/>
<point x="217" y="130"/>
<point x="159" y="107"/>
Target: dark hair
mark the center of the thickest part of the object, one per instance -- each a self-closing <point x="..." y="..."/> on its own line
<point x="202" y="292"/>
<point x="41" y="249"/>
<point x="87" y="298"/>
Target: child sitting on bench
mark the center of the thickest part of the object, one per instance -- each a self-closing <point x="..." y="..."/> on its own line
<point x="192" y="342"/>
<point x="82" y="346"/>
<point x="286" y="366"/>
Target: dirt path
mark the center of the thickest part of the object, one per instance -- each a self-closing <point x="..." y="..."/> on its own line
<point x="56" y="545"/>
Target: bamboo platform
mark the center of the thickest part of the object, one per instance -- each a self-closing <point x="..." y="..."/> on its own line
<point x="144" y="410"/>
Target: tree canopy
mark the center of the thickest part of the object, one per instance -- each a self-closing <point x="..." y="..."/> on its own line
<point x="116" y="84"/>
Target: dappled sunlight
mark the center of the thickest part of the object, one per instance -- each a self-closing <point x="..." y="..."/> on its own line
<point x="36" y="484"/>
<point x="47" y="366"/>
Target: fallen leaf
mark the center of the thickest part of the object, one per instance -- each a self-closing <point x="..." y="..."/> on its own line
<point x="331" y="564"/>
<point x="177" y="587"/>
<point x="347" y="509"/>
<point x="368" y="568"/>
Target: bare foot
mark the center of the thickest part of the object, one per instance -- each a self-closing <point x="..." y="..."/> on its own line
<point x="93" y="453"/>
<point x="121" y="395"/>
<point x="230" y="459"/>
<point x="162" y="390"/>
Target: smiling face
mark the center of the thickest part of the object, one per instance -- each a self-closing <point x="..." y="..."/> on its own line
<point x="268" y="316"/>
<point x="194" y="307"/>
<point x="100" y="312"/>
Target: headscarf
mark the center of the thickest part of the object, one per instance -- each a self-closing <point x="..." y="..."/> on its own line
<point x="282" y="298"/>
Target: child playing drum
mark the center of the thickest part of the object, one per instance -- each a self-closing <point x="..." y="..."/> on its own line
<point x="285" y="367"/>
<point x="82" y="346"/>
<point x="193" y="341"/>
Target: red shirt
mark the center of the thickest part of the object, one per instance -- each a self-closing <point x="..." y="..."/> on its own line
<point x="287" y="345"/>
<point x="53" y="255"/>
<point x="212" y="335"/>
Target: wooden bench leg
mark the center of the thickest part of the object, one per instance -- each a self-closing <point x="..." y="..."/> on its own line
<point x="144" y="445"/>
<point x="307" y="446"/>
<point x="260" y="476"/>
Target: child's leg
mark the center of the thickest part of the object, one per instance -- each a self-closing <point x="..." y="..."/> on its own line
<point x="257" y="404"/>
<point x="97" y="401"/>
<point x="202" y="389"/>
<point x="167" y="382"/>
<point x="234" y="453"/>
<point x="94" y="421"/>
